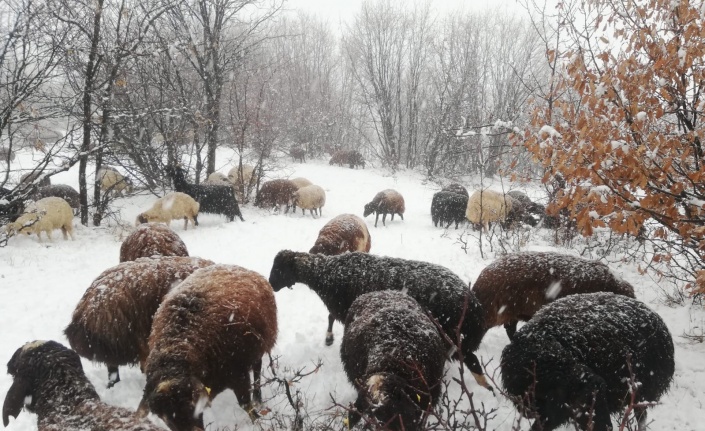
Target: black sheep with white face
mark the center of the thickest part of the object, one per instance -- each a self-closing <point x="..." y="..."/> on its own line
<point x="393" y="353"/>
<point x="575" y="351"/>
<point x="339" y="280"/>
<point x="50" y="378"/>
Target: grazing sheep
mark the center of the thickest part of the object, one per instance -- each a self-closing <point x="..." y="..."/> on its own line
<point x="212" y="198"/>
<point x="50" y="379"/>
<point x="353" y="158"/>
<point x="393" y="353"/>
<point x="523" y="209"/>
<point x="311" y="198"/>
<point x="44" y="215"/>
<point x="234" y="176"/>
<point x="217" y="178"/>
<point x="448" y="208"/>
<point x="112" y="181"/>
<point x="301" y="182"/>
<point x="456" y="188"/>
<point x="574" y="357"/>
<point x="346" y="232"/>
<point x="111" y="322"/>
<point x="152" y="239"/>
<point x="207" y="335"/>
<point x="174" y="205"/>
<point x="298" y="154"/>
<point x="338" y="158"/>
<point x="276" y="193"/>
<point x="514" y="287"/>
<point x="339" y="280"/>
<point x="63" y="191"/>
<point x="385" y="202"/>
<point x="34" y="178"/>
<point x="487" y="206"/>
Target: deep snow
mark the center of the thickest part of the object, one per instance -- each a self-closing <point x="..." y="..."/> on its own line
<point x="41" y="284"/>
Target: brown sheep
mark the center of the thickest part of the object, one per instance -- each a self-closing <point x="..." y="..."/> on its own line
<point x="346" y="232"/>
<point x="298" y="154"/>
<point x="338" y="158"/>
<point x="457" y="189"/>
<point x="207" y="335"/>
<point x="515" y="286"/>
<point x="48" y="380"/>
<point x="275" y="193"/>
<point x="385" y="202"/>
<point x="63" y="191"/>
<point x="111" y="322"/>
<point x="152" y="239"/>
<point x="353" y="158"/>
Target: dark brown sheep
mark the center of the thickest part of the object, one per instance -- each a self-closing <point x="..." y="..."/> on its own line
<point x="35" y="178"/>
<point x="394" y="354"/>
<point x="207" y="335"/>
<point x="111" y="322"/>
<point x="275" y="193"/>
<point x="152" y="239"/>
<point x="50" y="378"/>
<point x="352" y="158"/>
<point x="346" y="232"/>
<point x="63" y="191"/>
<point x="515" y="286"/>
<point x="298" y="154"/>
<point x="386" y="202"/>
<point x="457" y="189"/>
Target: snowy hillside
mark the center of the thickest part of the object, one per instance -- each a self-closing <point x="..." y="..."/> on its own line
<point x="41" y="283"/>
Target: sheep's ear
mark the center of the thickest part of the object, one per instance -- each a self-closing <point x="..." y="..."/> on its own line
<point x="14" y="400"/>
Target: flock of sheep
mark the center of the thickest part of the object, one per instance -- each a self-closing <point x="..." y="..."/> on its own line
<point x="196" y="328"/>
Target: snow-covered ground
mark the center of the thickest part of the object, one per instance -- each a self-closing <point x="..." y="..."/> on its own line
<point x="41" y="283"/>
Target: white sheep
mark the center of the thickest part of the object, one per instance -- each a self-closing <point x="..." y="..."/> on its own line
<point x="113" y="181"/>
<point x="311" y="198"/>
<point x="44" y="215"/>
<point x="301" y="182"/>
<point x="487" y="206"/>
<point x="217" y="178"/>
<point x="174" y="205"/>
<point x="234" y="177"/>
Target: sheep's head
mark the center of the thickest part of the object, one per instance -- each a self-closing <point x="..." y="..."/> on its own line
<point x="386" y="397"/>
<point x="283" y="273"/>
<point x="141" y="219"/>
<point x="369" y="209"/>
<point x="178" y="401"/>
<point x="41" y="371"/>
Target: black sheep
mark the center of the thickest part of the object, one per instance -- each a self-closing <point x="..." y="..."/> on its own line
<point x="63" y="191"/>
<point x="448" y="208"/>
<point x="575" y="352"/>
<point x="339" y="280"/>
<point x="213" y="198"/>
<point x="52" y="378"/>
<point x="11" y="204"/>
<point x="393" y="353"/>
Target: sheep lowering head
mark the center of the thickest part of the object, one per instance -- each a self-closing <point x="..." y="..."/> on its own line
<point x="276" y="193"/>
<point x="583" y="354"/>
<point x="393" y="353"/>
<point x="242" y="180"/>
<point x="514" y="287"/>
<point x="174" y="205"/>
<point x="448" y="208"/>
<point x="51" y="378"/>
<point x="112" y="320"/>
<point x="487" y="206"/>
<point x="152" y="239"/>
<point x="44" y="215"/>
<point x="311" y="198"/>
<point x="112" y="181"/>
<point x="385" y="202"/>
<point x="212" y="198"/>
<point x="209" y="332"/>
<point x="217" y="178"/>
<point x="456" y="188"/>
<point x="339" y="280"/>
<point x="346" y="232"/>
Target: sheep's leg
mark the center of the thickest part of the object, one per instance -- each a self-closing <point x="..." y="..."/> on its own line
<point x="640" y="413"/>
<point x="377" y="218"/>
<point x="256" y="384"/>
<point x="113" y="375"/>
<point x="48" y="232"/>
<point x="195" y="220"/>
<point x="401" y="215"/>
<point x="64" y="233"/>
<point x="384" y="217"/>
<point x="241" y="387"/>
<point x="329" y="332"/>
<point x="511" y="328"/>
<point x="185" y="223"/>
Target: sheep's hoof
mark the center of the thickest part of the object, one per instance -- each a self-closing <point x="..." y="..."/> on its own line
<point x="113" y="377"/>
<point x="329" y="339"/>
<point x="252" y="412"/>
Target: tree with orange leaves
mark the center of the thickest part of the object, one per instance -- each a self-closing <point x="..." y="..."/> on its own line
<point x="623" y="125"/>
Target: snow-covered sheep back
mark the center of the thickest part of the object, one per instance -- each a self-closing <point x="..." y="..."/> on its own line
<point x="209" y="332"/>
<point x="152" y="239"/>
<point x="301" y="182"/>
<point x="44" y="215"/>
<point x="514" y="287"/>
<point x="172" y="206"/>
<point x="385" y="202"/>
<point x="112" y="321"/>
<point x="51" y="377"/>
<point x="575" y="352"/>
<point x="393" y="353"/>
<point x="339" y="280"/>
<point x="311" y="198"/>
